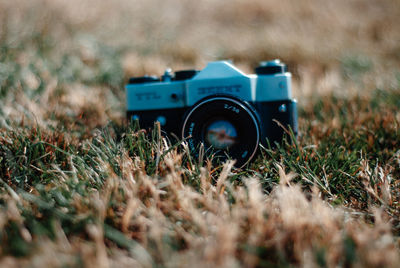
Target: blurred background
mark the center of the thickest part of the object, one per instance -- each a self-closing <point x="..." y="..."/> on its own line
<point x="67" y="61"/>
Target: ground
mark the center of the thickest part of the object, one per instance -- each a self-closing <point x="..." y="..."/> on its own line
<point x="81" y="187"/>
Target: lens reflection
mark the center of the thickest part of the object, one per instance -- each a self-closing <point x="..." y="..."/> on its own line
<point x="221" y="134"/>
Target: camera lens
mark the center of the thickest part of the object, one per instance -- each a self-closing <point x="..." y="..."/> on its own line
<point x="227" y="126"/>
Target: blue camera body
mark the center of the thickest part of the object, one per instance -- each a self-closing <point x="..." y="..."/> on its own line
<point x="228" y="111"/>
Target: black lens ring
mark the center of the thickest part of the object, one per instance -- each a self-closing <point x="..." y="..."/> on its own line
<point x="237" y="112"/>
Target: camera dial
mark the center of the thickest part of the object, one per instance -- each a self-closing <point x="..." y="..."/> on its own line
<point x="225" y="125"/>
<point x="143" y="79"/>
<point x="271" y="67"/>
<point x="167" y="76"/>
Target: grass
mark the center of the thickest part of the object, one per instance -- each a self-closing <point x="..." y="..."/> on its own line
<point x="81" y="187"/>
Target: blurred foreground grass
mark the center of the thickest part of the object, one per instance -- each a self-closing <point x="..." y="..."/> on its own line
<point x="81" y="188"/>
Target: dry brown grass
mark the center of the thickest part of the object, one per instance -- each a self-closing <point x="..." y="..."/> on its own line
<point x="65" y="63"/>
<point x="177" y="226"/>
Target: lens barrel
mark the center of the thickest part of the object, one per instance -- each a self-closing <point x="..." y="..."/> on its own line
<point x="227" y="126"/>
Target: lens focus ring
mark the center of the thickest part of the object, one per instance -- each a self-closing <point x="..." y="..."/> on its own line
<point x="225" y="125"/>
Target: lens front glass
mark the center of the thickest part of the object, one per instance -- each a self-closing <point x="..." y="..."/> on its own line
<point x="221" y="134"/>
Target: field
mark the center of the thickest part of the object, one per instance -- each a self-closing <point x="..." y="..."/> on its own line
<point x="81" y="187"/>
